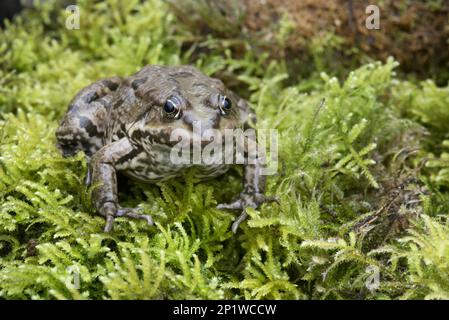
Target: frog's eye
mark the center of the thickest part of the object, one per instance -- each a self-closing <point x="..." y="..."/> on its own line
<point x="225" y="104"/>
<point x="172" y="107"/>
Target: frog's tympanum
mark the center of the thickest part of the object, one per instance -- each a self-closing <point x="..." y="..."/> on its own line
<point x="126" y="125"/>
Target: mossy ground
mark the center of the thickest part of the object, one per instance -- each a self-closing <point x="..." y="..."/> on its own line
<point x="363" y="180"/>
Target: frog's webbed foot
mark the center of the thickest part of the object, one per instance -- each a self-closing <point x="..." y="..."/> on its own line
<point x="111" y="211"/>
<point x="246" y="200"/>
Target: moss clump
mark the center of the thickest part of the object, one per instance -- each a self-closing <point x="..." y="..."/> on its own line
<point x="362" y="180"/>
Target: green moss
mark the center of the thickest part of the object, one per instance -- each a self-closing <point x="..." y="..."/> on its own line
<point x="353" y="173"/>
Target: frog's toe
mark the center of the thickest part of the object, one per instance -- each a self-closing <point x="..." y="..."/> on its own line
<point x="245" y="201"/>
<point x="88" y="178"/>
<point x="134" y="213"/>
<point x="273" y="199"/>
<point x="108" y="210"/>
<point x="109" y="224"/>
<point x="238" y="204"/>
<point x="235" y="225"/>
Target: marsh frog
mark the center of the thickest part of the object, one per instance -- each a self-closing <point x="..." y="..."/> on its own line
<point x="125" y="124"/>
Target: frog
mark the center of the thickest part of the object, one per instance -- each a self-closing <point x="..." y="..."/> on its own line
<point x="125" y="125"/>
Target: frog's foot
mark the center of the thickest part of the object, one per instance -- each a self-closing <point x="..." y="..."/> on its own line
<point x="110" y="211"/>
<point x="246" y="200"/>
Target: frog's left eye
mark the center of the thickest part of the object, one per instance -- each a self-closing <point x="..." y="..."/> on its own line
<point x="172" y="107"/>
<point x="225" y="104"/>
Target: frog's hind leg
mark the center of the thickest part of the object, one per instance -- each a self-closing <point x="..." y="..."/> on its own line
<point x="83" y="127"/>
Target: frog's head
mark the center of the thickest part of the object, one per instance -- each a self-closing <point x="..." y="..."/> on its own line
<point x="185" y="100"/>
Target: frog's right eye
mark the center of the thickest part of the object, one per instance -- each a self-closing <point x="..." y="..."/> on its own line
<point x="169" y="107"/>
<point x="172" y="107"/>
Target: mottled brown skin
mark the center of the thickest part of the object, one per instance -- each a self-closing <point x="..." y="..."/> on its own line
<point x="122" y="125"/>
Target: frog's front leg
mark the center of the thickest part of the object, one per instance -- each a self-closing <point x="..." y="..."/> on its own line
<point x="253" y="185"/>
<point x="105" y="198"/>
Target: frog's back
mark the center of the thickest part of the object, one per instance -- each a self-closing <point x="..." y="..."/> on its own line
<point x="83" y="126"/>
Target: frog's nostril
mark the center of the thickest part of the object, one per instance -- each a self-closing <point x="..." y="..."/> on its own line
<point x="192" y="121"/>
